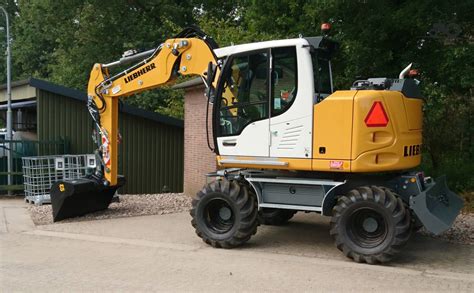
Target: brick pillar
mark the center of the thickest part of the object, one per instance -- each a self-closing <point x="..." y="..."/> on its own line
<point x="198" y="159"/>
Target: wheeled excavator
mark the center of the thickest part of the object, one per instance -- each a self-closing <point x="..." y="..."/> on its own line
<point x="285" y="142"/>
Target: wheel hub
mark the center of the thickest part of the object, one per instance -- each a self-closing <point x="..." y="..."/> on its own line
<point x="367" y="228"/>
<point x="370" y="225"/>
<point x="225" y="213"/>
<point x="218" y="216"/>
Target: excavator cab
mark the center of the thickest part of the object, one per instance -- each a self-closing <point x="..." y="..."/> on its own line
<point x="267" y="91"/>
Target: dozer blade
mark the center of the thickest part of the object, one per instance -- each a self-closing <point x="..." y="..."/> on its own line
<point x="437" y="207"/>
<point x="80" y="196"/>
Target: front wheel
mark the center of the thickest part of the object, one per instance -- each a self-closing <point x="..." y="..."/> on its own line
<point x="370" y="224"/>
<point x="224" y="214"/>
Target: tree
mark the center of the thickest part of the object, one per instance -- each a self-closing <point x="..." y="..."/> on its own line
<point x="60" y="41"/>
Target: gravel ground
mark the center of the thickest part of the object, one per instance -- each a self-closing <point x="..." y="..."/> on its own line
<point x="157" y="204"/>
<point x="130" y="205"/>
<point x="462" y="231"/>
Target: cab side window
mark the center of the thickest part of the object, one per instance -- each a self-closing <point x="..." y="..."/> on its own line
<point x="321" y="76"/>
<point x="284" y="79"/>
<point x="245" y="96"/>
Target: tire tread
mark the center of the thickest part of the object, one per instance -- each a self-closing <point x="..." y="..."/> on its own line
<point x="246" y="202"/>
<point x="390" y="201"/>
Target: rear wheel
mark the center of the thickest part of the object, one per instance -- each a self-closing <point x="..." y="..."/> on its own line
<point x="224" y="214"/>
<point x="370" y="224"/>
<point x="275" y="217"/>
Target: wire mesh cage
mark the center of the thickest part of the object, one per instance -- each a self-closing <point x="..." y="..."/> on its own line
<point x="39" y="173"/>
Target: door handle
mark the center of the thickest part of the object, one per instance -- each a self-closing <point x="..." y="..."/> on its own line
<point x="228" y="143"/>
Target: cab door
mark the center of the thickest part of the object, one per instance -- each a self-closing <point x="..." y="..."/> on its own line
<point x="242" y="121"/>
<point x="291" y="101"/>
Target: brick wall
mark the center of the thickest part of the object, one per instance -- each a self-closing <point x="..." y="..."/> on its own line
<point x="198" y="159"/>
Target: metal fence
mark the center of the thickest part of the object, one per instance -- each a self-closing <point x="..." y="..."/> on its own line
<point x="39" y="173"/>
<point x="24" y="149"/>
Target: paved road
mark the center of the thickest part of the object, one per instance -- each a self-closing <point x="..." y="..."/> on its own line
<point x="163" y="253"/>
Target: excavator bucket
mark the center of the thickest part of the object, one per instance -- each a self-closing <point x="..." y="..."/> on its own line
<point x="437" y="207"/>
<point x="81" y="196"/>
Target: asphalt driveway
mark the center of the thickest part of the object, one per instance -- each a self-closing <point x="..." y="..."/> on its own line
<point x="163" y="253"/>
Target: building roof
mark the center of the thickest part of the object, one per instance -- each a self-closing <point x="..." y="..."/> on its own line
<point x="81" y="96"/>
<point x="21" y="91"/>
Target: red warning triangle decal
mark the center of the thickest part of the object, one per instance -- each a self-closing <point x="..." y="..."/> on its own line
<point x="377" y="116"/>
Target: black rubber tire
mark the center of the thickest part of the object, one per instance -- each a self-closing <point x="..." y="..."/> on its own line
<point x="275" y="217"/>
<point x="389" y="221"/>
<point x="216" y="229"/>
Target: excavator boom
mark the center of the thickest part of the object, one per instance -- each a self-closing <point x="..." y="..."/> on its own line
<point x="175" y="57"/>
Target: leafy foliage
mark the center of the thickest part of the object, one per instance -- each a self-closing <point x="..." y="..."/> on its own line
<point x="61" y="40"/>
<point x="166" y="101"/>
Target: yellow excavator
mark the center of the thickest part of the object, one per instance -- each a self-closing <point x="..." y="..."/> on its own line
<point x="285" y="141"/>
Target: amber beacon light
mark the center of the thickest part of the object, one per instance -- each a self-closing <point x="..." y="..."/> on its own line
<point x="325" y="28"/>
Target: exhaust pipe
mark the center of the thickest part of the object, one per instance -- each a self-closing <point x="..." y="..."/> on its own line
<point x="405" y="71"/>
<point x="74" y="198"/>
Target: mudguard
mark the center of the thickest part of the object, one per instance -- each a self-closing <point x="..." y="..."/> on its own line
<point x="437" y="207"/>
<point x="81" y="196"/>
